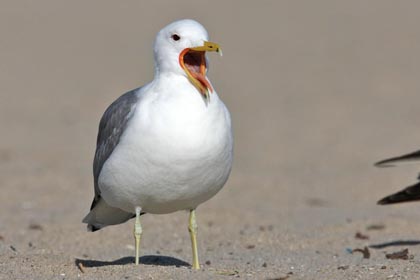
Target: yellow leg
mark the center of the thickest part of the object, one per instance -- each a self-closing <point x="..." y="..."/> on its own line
<point x="137" y="234"/>
<point x="192" y="228"/>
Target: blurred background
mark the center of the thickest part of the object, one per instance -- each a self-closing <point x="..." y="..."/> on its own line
<point x="318" y="92"/>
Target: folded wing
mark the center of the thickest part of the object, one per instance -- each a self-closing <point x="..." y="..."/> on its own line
<point x="111" y="127"/>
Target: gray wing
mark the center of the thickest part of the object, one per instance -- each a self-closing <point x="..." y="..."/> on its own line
<point x="112" y="125"/>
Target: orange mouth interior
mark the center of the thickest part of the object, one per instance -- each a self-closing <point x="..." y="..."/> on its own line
<point x="194" y="64"/>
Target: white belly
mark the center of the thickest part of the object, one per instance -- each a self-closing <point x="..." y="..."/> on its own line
<point x="171" y="157"/>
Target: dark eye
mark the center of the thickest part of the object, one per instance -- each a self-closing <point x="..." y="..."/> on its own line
<point x="175" y="37"/>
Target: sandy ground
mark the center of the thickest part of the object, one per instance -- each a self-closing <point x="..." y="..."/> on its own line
<point x="318" y="90"/>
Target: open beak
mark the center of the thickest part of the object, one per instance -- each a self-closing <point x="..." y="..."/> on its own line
<point x="193" y="61"/>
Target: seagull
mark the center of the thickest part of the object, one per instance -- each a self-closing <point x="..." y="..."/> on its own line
<point x="166" y="146"/>
<point x="410" y="193"/>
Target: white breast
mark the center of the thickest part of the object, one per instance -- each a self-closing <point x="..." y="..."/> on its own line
<point x="175" y="153"/>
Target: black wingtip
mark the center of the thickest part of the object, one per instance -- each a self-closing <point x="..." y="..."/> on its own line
<point x="411" y="193"/>
<point x="92" y="228"/>
<point x="407" y="157"/>
<point x="398" y="197"/>
<point x="384" y="201"/>
<point x="384" y="163"/>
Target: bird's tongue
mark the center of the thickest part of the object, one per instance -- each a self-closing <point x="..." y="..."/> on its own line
<point x="202" y="79"/>
<point x="195" y="62"/>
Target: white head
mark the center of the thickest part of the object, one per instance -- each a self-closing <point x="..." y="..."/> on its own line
<point x="180" y="48"/>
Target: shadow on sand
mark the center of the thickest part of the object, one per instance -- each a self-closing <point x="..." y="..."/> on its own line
<point x="147" y="260"/>
<point x="395" y="243"/>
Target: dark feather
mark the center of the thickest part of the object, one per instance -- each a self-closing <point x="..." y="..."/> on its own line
<point x="411" y="193"/>
<point x="408" y="157"/>
<point x="93" y="228"/>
